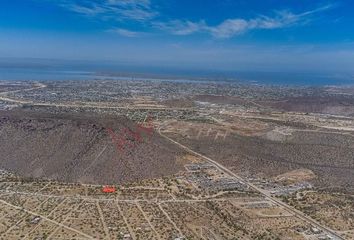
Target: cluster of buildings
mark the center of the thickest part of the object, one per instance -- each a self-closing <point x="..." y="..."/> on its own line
<point x="207" y="177"/>
<point x="277" y="189"/>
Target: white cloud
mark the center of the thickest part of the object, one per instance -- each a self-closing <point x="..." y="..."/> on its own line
<point x="229" y="28"/>
<point x="139" y="10"/>
<point x="233" y="27"/>
<point x="179" y="27"/>
<point x="142" y="11"/>
<point x="91" y="11"/>
<point x="125" y="32"/>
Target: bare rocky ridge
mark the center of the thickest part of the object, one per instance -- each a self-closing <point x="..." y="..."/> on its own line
<point x="78" y="148"/>
<point x="336" y="105"/>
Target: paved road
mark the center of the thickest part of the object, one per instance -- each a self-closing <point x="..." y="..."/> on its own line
<point x="266" y="194"/>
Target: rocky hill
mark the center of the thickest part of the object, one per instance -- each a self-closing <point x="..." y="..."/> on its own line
<point x="79" y="148"/>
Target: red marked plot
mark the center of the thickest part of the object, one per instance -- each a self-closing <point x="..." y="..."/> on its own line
<point x="108" y="189"/>
<point x="130" y="139"/>
<point x="129" y="134"/>
<point x="118" y="141"/>
<point x="148" y="128"/>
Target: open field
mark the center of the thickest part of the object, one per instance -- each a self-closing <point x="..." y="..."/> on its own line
<point x="269" y="149"/>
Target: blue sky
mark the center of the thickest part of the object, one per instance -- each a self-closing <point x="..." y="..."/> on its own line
<point x="232" y="35"/>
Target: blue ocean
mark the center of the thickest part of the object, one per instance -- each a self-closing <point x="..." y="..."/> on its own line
<point x="266" y="78"/>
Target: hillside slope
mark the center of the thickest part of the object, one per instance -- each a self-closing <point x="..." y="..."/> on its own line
<point x="78" y="148"/>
